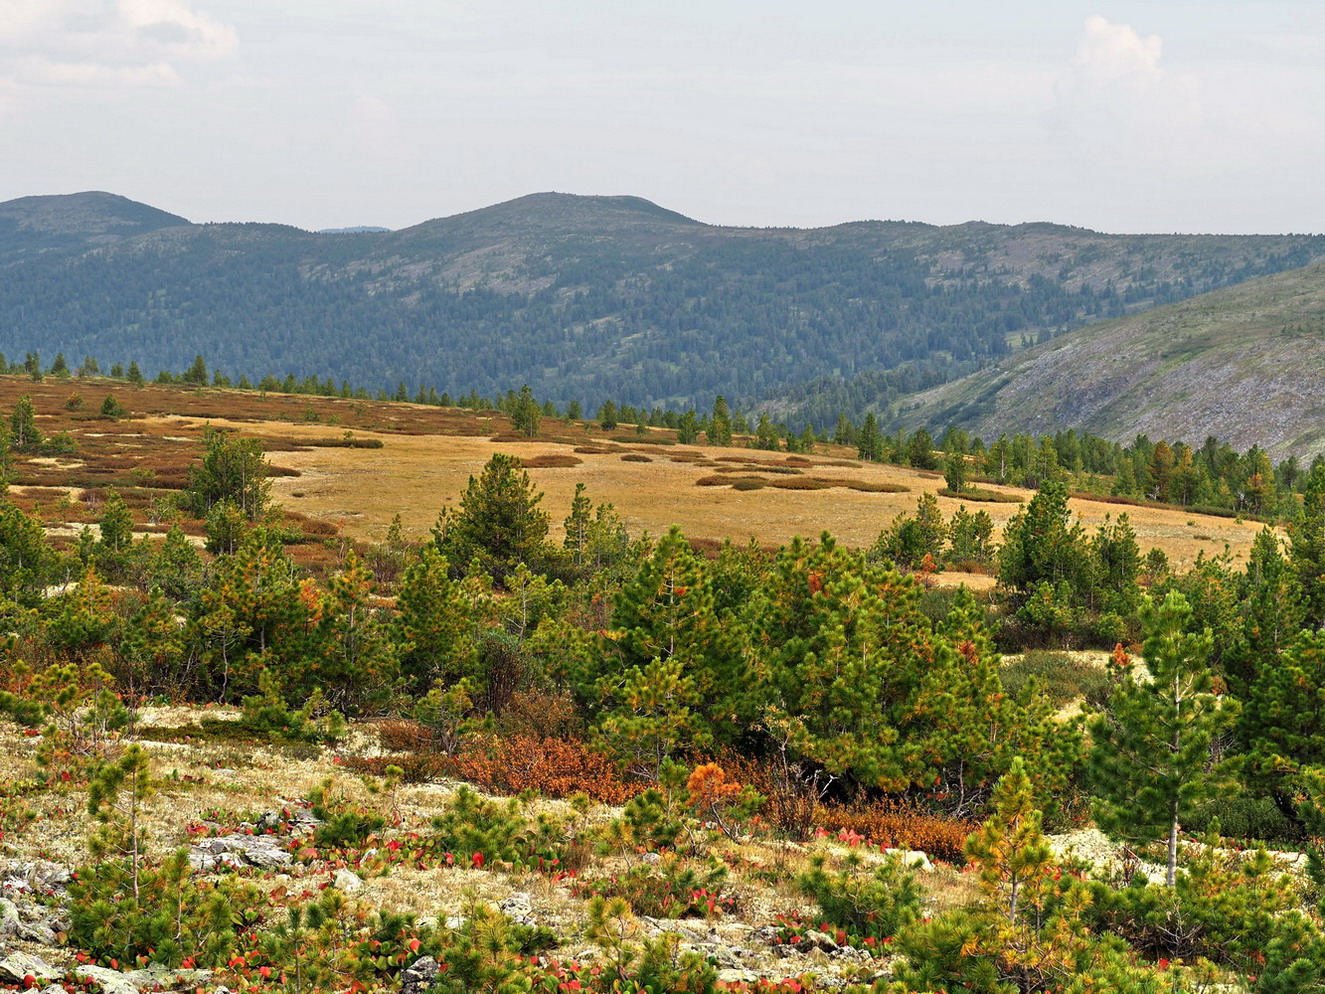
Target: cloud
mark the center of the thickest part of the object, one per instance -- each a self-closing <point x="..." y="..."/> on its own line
<point x="1116" y="91"/>
<point x="104" y="43"/>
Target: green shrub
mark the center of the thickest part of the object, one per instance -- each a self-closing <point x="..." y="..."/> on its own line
<point x="344" y="825"/>
<point x="869" y="903"/>
<point x="480" y="831"/>
<point x="675" y="889"/>
<point x="269" y="715"/>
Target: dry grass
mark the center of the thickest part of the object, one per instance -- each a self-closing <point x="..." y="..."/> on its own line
<point x="428" y="455"/>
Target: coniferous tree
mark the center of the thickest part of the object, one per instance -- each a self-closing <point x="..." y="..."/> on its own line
<point x="24" y="436"/>
<point x="1152" y="762"/>
<point x="232" y="469"/>
<point x="720" y="424"/>
<point x="498" y="524"/>
<point x="1307" y="551"/>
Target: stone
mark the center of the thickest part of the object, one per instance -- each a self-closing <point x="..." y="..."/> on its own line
<point x="105" y="980"/>
<point x="651" y="858"/>
<point x="347" y="881"/>
<point x="38" y="932"/>
<point x="813" y="939"/>
<point x="9" y="922"/>
<point x="16" y="966"/>
<point x="913" y="858"/>
<point x="36" y="876"/>
<point x="159" y="976"/>
<point x="254" y="850"/>
<point x="420" y="976"/>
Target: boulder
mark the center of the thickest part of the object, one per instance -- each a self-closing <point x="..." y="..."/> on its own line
<point x="105" y="980"/>
<point x="239" y="850"/>
<point x="419" y="978"/>
<point x="347" y="881"/>
<point x="15" y="967"/>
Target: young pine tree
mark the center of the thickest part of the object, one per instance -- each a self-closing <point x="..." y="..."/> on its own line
<point x="1152" y="760"/>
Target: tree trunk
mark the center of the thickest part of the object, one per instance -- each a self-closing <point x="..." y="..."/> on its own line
<point x="1173" y="848"/>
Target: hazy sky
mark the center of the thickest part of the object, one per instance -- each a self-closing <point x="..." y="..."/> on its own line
<point x="1140" y="116"/>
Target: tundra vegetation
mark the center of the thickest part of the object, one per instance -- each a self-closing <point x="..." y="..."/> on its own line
<point x="507" y="756"/>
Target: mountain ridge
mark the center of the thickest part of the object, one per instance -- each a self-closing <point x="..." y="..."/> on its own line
<point x="583" y="298"/>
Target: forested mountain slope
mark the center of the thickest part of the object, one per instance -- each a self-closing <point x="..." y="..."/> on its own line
<point x="1245" y="364"/>
<point x="583" y="298"/>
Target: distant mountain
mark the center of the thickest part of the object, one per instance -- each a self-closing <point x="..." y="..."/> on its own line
<point x="584" y="298"/>
<point x="1245" y="364"/>
<point x="358" y="229"/>
<point x="75" y="221"/>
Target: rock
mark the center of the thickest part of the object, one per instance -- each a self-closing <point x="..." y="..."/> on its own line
<point x="8" y="917"/>
<point x="347" y="881"/>
<point x="851" y="954"/>
<point x="105" y="980"/>
<point x="419" y="977"/>
<point x="913" y="858"/>
<point x="253" y="850"/>
<point x="518" y="903"/>
<point x="519" y="908"/>
<point x="158" y="976"/>
<point x="38" y="932"/>
<point x="651" y="858"/>
<point x="37" y="876"/>
<point x="16" y="966"/>
<point x="813" y="939"/>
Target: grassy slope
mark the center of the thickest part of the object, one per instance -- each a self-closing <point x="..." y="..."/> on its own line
<point x="1220" y="364"/>
<point x="428" y="455"/>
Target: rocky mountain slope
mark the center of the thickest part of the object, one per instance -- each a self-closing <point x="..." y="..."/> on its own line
<point x="1245" y="364"/>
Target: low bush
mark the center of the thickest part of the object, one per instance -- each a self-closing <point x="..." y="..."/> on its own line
<point x="865" y="902"/>
<point x="899" y="825"/>
<point x="635" y="457"/>
<point x="480" y="832"/>
<point x="1057" y="674"/>
<point x="979" y="495"/>
<point x="553" y="767"/>
<point x="552" y="460"/>
<point x="676" y="888"/>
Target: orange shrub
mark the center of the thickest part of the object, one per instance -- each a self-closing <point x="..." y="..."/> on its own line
<point x="897" y="825"/>
<point x="554" y="767"/>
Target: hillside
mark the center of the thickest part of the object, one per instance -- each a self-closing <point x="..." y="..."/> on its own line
<point x="584" y="298"/>
<point x="78" y="221"/>
<point x="1245" y="364"/>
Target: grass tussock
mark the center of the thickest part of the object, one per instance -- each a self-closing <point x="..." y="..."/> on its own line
<point x="552" y="460"/>
<point x="979" y="495"/>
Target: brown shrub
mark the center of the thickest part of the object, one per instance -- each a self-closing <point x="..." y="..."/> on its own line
<point x="594" y="450"/>
<point x="403" y="734"/>
<point x="748" y="483"/>
<point x="551" y="461"/>
<point x="802" y="483"/>
<point x="978" y="495"/>
<point x="539" y="714"/>
<point x="713" y="480"/>
<point x="898" y="825"/>
<point x="635" y="457"/>
<point x="553" y="767"/>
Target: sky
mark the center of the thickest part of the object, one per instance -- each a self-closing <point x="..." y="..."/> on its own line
<point x="1155" y="116"/>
